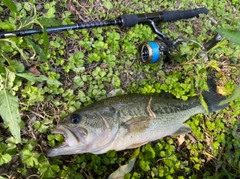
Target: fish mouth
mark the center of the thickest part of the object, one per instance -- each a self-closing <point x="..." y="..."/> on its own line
<point x="73" y="135"/>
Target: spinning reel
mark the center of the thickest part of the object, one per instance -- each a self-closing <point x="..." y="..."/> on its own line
<point x="151" y="52"/>
<point x="158" y="50"/>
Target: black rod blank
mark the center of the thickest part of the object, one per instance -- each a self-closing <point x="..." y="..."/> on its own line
<point x="127" y="20"/>
<point x="60" y="28"/>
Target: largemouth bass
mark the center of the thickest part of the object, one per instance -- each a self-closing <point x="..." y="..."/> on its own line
<point x="128" y="121"/>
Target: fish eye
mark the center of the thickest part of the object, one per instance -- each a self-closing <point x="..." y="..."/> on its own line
<point x="75" y="118"/>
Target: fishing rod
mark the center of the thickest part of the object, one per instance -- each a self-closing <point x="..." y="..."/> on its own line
<point x="149" y="52"/>
<point x="127" y="20"/>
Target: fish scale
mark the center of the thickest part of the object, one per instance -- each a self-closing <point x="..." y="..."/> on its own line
<point x="172" y="120"/>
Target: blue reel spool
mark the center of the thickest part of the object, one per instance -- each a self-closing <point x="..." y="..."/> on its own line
<point x="150" y="52"/>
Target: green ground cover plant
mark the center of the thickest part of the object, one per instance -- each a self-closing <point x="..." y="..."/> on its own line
<point x="44" y="77"/>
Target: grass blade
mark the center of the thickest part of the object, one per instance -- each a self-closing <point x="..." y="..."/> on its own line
<point x="37" y="49"/>
<point x="232" y="35"/>
<point x="235" y="95"/>
<point x="10" y="113"/>
<point x="41" y="78"/>
<point x="10" y="5"/>
<point x="45" y="41"/>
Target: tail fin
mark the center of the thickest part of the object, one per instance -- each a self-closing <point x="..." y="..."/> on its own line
<point x="212" y="98"/>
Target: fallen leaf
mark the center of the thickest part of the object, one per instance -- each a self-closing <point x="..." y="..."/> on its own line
<point x="221" y="90"/>
<point x="104" y="65"/>
<point x="72" y="9"/>
<point x="181" y="139"/>
<point x="124" y="169"/>
<point x="34" y="71"/>
<point x="193" y="140"/>
<point x="115" y="92"/>
<point x="70" y="6"/>
<point x="208" y="141"/>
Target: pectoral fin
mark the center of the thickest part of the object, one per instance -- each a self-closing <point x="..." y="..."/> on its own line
<point x="184" y="129"/>
<point x="137" y="124"/>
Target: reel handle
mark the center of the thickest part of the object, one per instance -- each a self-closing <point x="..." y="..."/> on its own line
<point x="211" y="43"/>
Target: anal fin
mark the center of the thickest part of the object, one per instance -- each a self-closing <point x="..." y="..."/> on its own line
<point x="184" y="129"/>
<point x="136" y="145"/>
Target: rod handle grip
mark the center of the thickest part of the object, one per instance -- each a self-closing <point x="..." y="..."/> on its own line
<point x="129" y="20"/>
<point x="169" y="16"/>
